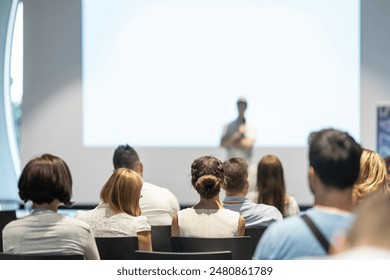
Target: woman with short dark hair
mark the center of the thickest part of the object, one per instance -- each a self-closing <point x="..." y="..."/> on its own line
<point x="47" y="182"/>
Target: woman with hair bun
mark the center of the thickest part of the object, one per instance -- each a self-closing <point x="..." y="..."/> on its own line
<point x="208" y="218"/>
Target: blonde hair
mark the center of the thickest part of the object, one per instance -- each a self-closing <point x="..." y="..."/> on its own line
<point x="122" y="192"/>
<point x="372" y="176"/>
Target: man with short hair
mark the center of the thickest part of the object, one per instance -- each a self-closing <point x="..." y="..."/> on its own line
<point x="158" y="204"/>
<point x="237" y="184"/>
<point x="334" y="165"/>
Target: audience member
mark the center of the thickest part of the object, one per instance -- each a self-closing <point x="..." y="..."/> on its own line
<point x="118" y="213"/>
<point x="372" y="177"/>
<point x="158" y="204"/>
<point x="369" y="236"/>
<point x="271" y="188"/>
<point x="208" y="218"/>
<point x="47" y="182"/>
<point x="237" y="184"/>
<point x="334" y="159"/>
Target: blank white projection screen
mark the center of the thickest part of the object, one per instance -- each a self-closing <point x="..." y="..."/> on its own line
<point x="167" y="73"/>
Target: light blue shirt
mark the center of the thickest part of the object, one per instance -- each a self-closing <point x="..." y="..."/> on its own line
<point x="292" y="238"/>
<point x="253" y="213"/>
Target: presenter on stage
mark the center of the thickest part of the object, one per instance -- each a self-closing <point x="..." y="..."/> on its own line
<point x="239" y="136"/>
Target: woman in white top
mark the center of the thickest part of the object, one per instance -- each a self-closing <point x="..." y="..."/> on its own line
<point x="118" y="214"/>
<point x="208" y="218"/>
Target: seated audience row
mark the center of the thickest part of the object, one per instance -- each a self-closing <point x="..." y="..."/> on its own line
<point x="341" y="175"/>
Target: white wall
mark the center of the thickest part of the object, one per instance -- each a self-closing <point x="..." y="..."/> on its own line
<point x="52" y="117"/>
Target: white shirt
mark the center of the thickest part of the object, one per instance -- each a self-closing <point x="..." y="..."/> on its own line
<point x="158" y="204"/>
<point x="208" y="222"/>
<point x="105" y="223"/>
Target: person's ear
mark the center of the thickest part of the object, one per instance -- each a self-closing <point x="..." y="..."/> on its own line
<point x="140" y="169"/>
<point x="312" y="177"/>
<point x="246" y="187"/>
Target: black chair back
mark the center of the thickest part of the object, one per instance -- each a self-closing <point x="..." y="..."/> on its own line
<point x="220" y="255"/>
<point x="161" y="238"/>
<point x="256" y="234"/>
<point x="5" y="217"/>
<point x="117" y="248"/>
<point x="241" y="247"/>
<point x="4" y="256"/>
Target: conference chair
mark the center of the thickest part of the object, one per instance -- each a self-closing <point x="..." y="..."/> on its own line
<point x="117" y="248"/>
<point x="5" y="218"/>
<point x="241" y="247"/>
<point x="256" y="234"/>
<point x="161" y="238"/>
<point x="217" y="255"/>
<point x="4" y="256"/>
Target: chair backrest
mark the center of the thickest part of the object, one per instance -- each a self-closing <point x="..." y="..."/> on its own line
<point x="256" y="234"/>
<point x="4" y="256"/>
<point x="218" y="255"/>
<point x="117" y="248"/>
<point x="161" y="238"/>
<point x="241" y="247"/>
<point x="5" y="218"/>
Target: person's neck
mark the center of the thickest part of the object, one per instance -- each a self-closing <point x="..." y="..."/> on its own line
<point x="242" y="193"/>
<point x="335" y="201"/>
<point x="209" y="203"/>
<point x="53" y="206"/>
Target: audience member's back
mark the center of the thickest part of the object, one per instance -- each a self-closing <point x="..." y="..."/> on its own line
<point x="208" y="218"/>
<point x="47" y="182"/>
<point x="158" y="204"/>
<point x="369" y="236"/>
<point x="271" y="188"/>
<point x="237" y="184"/>
<point x="334" y="159"/>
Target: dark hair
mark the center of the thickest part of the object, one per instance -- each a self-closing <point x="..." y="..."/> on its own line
<point x="207" y="176"/>
<point x="44" y="179"/>
<point x="236" y="174"/>
<point x="125" y="156"/>
<point x="335" y="157"/>
<point x="270" y="182"/>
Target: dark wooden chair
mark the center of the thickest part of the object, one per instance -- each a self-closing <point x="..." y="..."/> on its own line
<point x="256" y="234"/>
<point x="161" y="238"/>
<point x="5" y="217"/>
<point x="241" y="247"/>
<point x="218" y="255"/>
<point x="117" y="248"/>
<point x="4" y="256"/>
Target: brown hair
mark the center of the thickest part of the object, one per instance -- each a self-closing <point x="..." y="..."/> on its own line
<point x="236" y="174"/>
<point x="122" y="192"/>
<point x="44" y="179"/>
<point x="372" y="176"/>
<point x="207" y="176"/>
<point x="270" y="182"/>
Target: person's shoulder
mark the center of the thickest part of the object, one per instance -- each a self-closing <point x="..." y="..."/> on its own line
<point x="269" y="210"/>
<point x="154" y="188"/>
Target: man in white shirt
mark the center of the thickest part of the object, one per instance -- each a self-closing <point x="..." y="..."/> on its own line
<point x="158" y="204"/>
